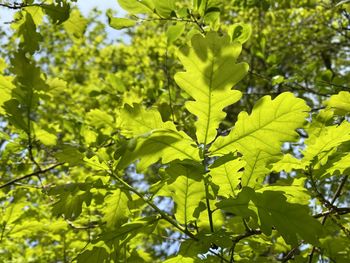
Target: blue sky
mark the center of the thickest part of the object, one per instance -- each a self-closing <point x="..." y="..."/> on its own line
<point x="86" y="5"/>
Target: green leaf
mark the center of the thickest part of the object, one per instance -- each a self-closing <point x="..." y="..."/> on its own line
<point x="58" y="12"/>
<point x="130" y="230"/>
<point x="137" y="7"/>
<point x="241" y="205"/>
<point x="161" y="144"/>
<point x="271" y="123"/>
<point x="136" y="121"/>
<point x="120" y="23"/>
<point x="227" y="175"/>
<point x="339" y="167"/>
<point x="256" y="167"/>
<point x="326" y="143"/>
<point x="319" y="123"/>
<point x="211" y="71"/>
<point x="69" y="154"/>
<point x="116" y="209"/>
<point x="340" y="103"/>
<point x="97" y="254"/>
<point x="288" y="163"/>
<point x="96" y="164"/>
<point x="99" y="119"/>
<point x="46" y="136"/>
<point x="259" y="136"/>
<point x="175" y="31"/>
<point x="29" y="37"/>
<point x="37" y="14"/>
<point x="337" y="248"/>
<point x="295" y="192"/>
<point x="76" y="25"/>
<point x="187" y="191"/>
<point x="292" y="221"/>
<point x="277" y="80"/>
<point x="6" y="88"/>
<point x="164" y="8"/>
<point x="240" y="32"/>
<point x="180" y="259"/>
<point x="70" y="202"/>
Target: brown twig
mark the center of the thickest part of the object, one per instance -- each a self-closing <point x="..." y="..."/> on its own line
<point x="30" y="175"/>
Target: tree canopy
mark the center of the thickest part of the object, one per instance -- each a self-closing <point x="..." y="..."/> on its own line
<point x="213" y="131"/>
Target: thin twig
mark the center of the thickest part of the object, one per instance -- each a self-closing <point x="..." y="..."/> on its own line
<point x="30" y="175"/>
<point x="332" y="207"/>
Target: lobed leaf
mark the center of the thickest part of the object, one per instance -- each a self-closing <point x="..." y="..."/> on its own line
<point x="227" y="176"/>
<point x="259" y="136"/>
<point x="187" y="191"/>
<point x="166" y="145"/>
<point x="211" y="72"/>
<point x="340" y="103"/>
<point x="116" y="209"/>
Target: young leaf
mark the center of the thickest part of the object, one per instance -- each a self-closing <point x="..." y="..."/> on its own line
<point x="271" y="123"/>
<point x="97" y="254"/>
<point x="287" y="164"/>
<point x="227" y="176"/>
<point x="75" y="26"/>
<point x="136" y="121"/>
<point x="241" y="205"/>
<point x="6" y="88"/>
<point x="240" y="32"/>
<point x="259" y="136"/>
<point x="161" y="144"/>
<point x="211" y="71"/>
<point x="326" y="143"/>
<point x="290" y="220"/>
<point x="116" y="209"/>
<point x="339" y="167"/>
<point x="180" y="259"/>
<point x="137" y="7"/>
<point x="120" y="23"/>
<point x="27" y="31"/>
<point x="340" y="103"/>
<point x="187" y="191"/>
<point x="58" y="12"/>
<point x="130" y="230"/>
<point x="164" y="8"/>
<point x="256" y="167"/>
<point x="174" y="32"/>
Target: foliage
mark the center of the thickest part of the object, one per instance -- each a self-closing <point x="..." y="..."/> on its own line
<point x="168" y="148"/>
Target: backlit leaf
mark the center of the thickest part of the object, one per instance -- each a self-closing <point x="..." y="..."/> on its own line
<point x="162" y="144"/>
<point x="271" y="123"/>
<point x="340" y="102"/>
<point x="227" y="176"/>
<point x="120" y="23"/>
<point x="187" y="191"/>
<point x="116" y="209"/>
<point x="211" y="72"/>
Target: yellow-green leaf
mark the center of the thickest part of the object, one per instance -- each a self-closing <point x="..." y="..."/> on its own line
<point x="211" y="72"/>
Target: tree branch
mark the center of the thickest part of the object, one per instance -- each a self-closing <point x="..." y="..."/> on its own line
<point x="30" y="175"/>
<point x="331" y="208"/>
